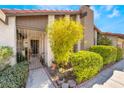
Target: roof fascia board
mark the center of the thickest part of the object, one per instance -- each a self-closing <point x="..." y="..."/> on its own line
<point x="3" y="17"/>
<point x="33" y="14"/>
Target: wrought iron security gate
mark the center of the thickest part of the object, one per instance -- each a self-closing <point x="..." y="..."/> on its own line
<point x="30" y="46"/>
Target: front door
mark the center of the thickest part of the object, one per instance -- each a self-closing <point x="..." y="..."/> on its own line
<point x="35" y="47"/>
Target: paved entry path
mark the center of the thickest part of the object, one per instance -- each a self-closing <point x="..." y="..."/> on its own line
<point x="38" y="77"/>
<point x="112" y="77"/>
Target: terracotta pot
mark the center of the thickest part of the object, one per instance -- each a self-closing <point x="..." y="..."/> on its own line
<point x="53" y="66"/>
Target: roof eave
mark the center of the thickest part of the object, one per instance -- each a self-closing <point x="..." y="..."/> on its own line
<point x="46" y="13"/>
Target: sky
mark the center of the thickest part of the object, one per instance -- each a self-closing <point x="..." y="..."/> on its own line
<point x="107" y="18"/>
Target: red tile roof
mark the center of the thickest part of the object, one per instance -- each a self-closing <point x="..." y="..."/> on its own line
<point x="16" y="11"/>
<point x="114" y="34"/>
<point x="108" y="33"/>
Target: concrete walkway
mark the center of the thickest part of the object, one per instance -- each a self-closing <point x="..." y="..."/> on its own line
<point x="116" y="81"/>
<point x="111" y="77"/>
<point x="38" y="77"/>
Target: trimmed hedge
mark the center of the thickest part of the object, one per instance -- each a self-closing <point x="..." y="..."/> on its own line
<point x="109" y="53"/>
<point x="119" y="54"/>
<point x="14" y="77"/>
<point x="85" y="65"/>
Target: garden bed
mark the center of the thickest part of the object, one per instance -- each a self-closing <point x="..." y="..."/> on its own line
<point x="55" y="80"/>
<point x="85" y="65"/>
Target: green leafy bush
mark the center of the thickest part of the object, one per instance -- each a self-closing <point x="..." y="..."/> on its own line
<point x="64" y="34"/>
<point x="14" y="77"/>
<point x="119" y="54"/>
<point x="5" y="54"/>
<point x="109" y="53"/>
<point x="85" y="64"/>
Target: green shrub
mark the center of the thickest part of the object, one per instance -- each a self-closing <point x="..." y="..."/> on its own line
<point x="103" y="40"/>
<point x="64" y="34"/>
<point x="5" y="54"/>
<point x="109" y="53"/>
<point x="14" y="77"/>
<point x="86" y="64"/>
<point x="119" y="54"/>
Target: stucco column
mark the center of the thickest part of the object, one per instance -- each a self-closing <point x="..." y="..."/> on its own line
<point x="14" y="41"/>
<point x="48" y="52"/>
<point x="88" y="23"/>
<point x="79" y="42"/>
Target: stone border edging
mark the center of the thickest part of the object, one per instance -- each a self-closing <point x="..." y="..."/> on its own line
<point x="45" y="69"/>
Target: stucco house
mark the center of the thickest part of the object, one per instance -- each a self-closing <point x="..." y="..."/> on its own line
<point x="24" y="30"/>
<point x="117" y="39"/>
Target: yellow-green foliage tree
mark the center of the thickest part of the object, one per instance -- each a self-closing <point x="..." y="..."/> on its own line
<point x="63" y="34"/>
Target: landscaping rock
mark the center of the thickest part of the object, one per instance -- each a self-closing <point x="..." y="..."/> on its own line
<point x="65" y="85"/>
<point x="61" y="81"/>
<point x="72" y="83"/>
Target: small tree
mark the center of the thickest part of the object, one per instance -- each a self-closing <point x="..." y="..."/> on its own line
<point x="103" y="40"/>
<point x="63" y="34"/>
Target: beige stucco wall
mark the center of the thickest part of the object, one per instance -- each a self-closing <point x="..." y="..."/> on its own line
<point x="8" y="35"/>
<point x="117" y="41"/>
<point x="120" y="43"/>
<point x="88" y="22"/>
